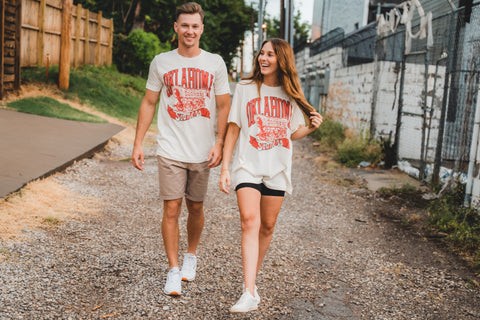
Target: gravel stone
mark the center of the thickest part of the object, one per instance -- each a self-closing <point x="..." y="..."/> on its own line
<point x="331" y="257"/>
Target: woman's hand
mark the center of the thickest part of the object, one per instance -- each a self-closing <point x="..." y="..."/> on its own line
<point x="224" y="182"/>
<point x="315" y="120"/>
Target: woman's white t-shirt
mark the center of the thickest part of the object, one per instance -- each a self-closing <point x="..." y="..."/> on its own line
<point x="187" y="108"/>
<point x="264" y="146"/>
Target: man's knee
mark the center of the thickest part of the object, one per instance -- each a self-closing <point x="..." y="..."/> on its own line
<point x="171" y="208"/>
<point x="194" y="207"/>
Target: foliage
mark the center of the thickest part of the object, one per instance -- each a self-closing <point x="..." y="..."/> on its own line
<point x="133" y="53"/>
<point x="49" y="107"/>
<point x="225" y="21"/>
<point x="356" y="149"/>
<point x="105" y="89"/>
<point x="461" y="224"/>
<point x="406" y="189"/>
<point x="301" y="29"/>
<point x="330" y="134"/>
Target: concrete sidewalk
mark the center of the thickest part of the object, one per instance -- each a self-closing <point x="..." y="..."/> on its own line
<point x="33" y="147"/>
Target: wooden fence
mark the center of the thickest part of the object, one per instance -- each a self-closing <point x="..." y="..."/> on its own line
<point x="46" y="32"/>
<point x="91" y="35"/>
<point x="9" y="41"/>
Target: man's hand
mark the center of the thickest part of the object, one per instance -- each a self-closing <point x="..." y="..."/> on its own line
<point x="215" y="155"/>
<point x="138" y="157"/>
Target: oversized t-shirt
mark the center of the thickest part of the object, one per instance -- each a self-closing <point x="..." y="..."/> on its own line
<point x="187" y="108"/>
<point x="264" y="146"/>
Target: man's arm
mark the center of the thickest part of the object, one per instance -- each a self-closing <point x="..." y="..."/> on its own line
<point x="145" y="117"/>
<point x="215" y="154"/>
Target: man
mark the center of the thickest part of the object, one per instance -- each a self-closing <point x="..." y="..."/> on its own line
<point x="190" y="83"/>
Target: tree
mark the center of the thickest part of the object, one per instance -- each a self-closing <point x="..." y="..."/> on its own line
<point x="225" y="20"/>
<point x="301" y="29"/>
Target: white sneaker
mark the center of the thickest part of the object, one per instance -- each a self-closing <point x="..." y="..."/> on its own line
<point x="246" y="303"/>
<point x="257" y="297"/>
<point x="189" y="267"/>
<point x="173" y="285"/>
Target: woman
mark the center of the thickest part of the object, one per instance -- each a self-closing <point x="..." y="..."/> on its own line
<point x="268" y="112"/>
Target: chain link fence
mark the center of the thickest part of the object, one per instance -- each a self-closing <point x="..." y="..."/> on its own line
<point x="437" y="90"/>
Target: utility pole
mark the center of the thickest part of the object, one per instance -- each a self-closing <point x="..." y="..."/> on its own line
<point x="282" y="19"/>
<point x="286" y="21"/>
<point x="290" y="22"/>
<point x="260" y="23"/>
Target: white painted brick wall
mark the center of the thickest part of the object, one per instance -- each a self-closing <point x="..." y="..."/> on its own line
<point x="351" y="94"/>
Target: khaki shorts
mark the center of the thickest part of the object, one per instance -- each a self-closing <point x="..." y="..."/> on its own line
<point x="182" y="179"/>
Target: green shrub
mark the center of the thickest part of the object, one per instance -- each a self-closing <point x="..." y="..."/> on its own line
<point x="133" y="53"/>
<point x="354" y="150"/>
<point x="461" y="224"/>
<point x="330" y="134"/>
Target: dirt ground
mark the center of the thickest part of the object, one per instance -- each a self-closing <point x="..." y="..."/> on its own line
<point x="340" y="250"/>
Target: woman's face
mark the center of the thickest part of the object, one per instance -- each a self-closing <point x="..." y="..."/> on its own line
<point x="268" y="61"/>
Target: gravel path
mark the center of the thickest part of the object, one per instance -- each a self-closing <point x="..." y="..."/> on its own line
<point x="331" y="257"/>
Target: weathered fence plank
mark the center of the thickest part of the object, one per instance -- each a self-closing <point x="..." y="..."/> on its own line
<point x="91" y="34"/>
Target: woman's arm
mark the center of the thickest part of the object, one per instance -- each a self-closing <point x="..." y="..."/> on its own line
<point x="230" y="141"/>
<point x="315" y="122"/>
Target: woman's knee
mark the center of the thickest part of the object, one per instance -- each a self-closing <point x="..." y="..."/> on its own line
<point x="266" y="229"/>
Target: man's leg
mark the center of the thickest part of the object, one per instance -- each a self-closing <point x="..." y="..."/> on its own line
<point x="195" y="223"/>
<point x="170" y="231"/>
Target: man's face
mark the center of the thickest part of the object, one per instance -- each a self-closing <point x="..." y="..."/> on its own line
<point x="189" y="28"/>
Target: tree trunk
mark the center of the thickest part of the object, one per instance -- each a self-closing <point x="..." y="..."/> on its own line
<point x="138" y="19"/>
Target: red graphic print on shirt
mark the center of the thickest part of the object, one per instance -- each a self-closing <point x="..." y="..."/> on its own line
<point x="272" y="120"/>
<point x="190" y="91"/>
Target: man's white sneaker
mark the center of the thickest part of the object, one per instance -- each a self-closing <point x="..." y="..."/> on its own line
<point x="246" y="303"/>
<point x="189" y="267"/>
<point x="173" y="285"/>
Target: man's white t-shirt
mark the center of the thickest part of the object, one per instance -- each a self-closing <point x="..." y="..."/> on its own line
<point x="264" y="146"/>
<point x="187" y="108"/>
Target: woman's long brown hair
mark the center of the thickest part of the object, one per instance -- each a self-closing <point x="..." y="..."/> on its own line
<point x="287" y="74"/>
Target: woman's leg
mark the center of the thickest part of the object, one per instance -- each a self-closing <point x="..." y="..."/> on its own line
<point x="269" y="209"/>
<point x="249" y="206"/>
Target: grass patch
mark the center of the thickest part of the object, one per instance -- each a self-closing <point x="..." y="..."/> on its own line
<point x="407" y="195"/>
<point x="52" y="221"/>
<point x="356" y="149"/>
<point x="329" y="135"/>
<point x="41" y="203"/>
<point x="348" y="148"/>
<point x="461" y="224"/>
<point x="405" y="190"/>
<point x="49" y="107"/>
<point x="102" y="88"/>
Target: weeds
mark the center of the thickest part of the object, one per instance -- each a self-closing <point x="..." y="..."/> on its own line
<point x="461" y="224"/>
<point x="329" y="135"/>
<point x="51" y="221"/>
<point x="356" y="149"/>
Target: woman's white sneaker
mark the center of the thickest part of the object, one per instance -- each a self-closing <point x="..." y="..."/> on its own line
<point x="246" y="303"/>
<point x="173" y="285"/>
<point x="189" y="267"/>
